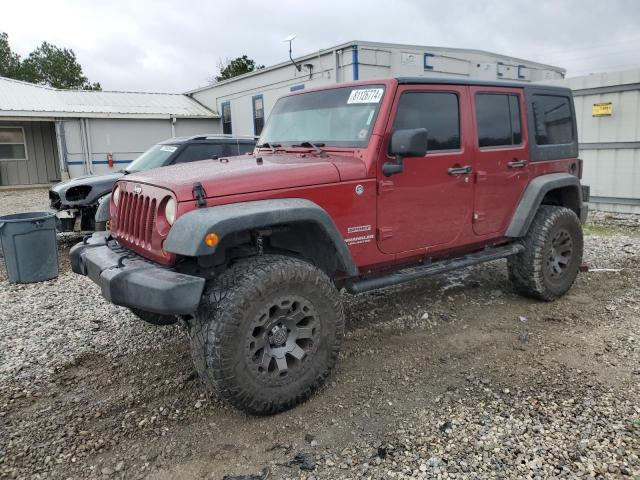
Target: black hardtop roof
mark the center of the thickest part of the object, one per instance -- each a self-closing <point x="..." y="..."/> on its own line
<point x="481" y="83"/>
<point x="208" y="139"/>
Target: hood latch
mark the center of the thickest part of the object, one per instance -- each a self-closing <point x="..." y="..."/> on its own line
<point x="200" y="195"/>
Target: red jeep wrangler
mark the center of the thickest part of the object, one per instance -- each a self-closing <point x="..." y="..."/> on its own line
<point x="357" y="186"/>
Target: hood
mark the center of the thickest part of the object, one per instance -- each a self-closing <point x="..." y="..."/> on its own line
<point x="91" y="180"/>
<point x="246" y="174"/>
<point x="99" y="185"/>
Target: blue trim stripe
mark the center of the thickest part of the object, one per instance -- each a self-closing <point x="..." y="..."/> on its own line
<point x="296" y="87"/>
<point x="99" y="162"/>
<point x="354" y="61"/>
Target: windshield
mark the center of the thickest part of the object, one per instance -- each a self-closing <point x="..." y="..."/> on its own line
<point x="152" y="158"/>
<point x="341" y="117"/>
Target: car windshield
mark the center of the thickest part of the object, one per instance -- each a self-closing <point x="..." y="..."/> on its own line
<point x="152" y="158"/>
<point x="341" y="117"/>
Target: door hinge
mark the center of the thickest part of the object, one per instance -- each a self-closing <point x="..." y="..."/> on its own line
<point x="385" y="186"/>
<point x="384" y="233"/>
<point x="199" y="195"/>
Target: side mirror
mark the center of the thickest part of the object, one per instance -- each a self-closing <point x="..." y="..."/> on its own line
<point x="411" y="142"/>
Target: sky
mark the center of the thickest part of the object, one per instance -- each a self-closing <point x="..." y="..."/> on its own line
<point x="175" y="46"/>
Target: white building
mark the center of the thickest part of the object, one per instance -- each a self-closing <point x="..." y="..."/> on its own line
<point x="608" y="115"/>
<point x="245" y="101"/>
<point x="48" y="134"/>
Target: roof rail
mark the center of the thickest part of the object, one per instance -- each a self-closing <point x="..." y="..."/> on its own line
<point x="223" y="135"/>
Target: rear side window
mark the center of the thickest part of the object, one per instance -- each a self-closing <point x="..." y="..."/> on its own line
<point x="498" y="118"/>
<point x="553" y="119"/>
<point x="202" y="151"/>
<point x="438" y="112"/>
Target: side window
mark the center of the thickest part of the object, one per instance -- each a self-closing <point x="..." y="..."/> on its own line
<point x="258" y="114"/>
<point x="553" y="119"/>
<point x="201" y="151"/>
<point x="13" y="145"/>
<point x="226" y="118"/>
<point x="438" y="112"/>
<point x="498" y="119"/>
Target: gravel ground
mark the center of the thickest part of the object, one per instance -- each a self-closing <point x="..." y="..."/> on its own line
<point x="451" y="377"/>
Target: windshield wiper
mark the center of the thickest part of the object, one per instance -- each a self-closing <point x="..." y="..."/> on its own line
<point x="271" y="146"/>
<point x="315" y="146"/>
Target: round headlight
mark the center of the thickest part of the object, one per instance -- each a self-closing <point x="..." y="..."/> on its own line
<point x="170" y="211"/>
<point x="116" y="196"/>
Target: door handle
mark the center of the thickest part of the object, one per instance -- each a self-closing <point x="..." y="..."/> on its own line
<point x="459" y="170"/>
<point x="517" y="163"/>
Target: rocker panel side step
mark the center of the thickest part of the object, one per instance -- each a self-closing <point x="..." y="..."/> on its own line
<point x="423" y="271"/>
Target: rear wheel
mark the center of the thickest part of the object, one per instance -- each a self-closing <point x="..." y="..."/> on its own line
<point x="267" y="333"/>
<point x="548" y="266"/>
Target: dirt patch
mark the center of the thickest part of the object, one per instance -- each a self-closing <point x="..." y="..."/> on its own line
<point x="419" y="355"/>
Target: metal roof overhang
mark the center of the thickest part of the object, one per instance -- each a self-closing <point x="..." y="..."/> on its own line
<point x="10" y="114"/>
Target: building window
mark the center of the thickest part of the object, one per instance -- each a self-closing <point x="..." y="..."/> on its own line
<point x="438" y="112"/>
<point x="13" y="145"/>
<point x="226" y="118"/>
<point x="553" y="120"/>
<point x="498" y="119"/>
<point x="258" y="114"/>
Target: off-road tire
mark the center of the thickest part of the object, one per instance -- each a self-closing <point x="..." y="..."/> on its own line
<point x="239" y="312"/>
<point x="154" y="318"/>
<point x="534" y="272"/>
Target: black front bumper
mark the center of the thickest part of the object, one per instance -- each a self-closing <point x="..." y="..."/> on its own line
<point x="131" y="281"/>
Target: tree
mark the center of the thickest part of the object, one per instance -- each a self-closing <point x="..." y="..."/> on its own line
<point x="57" y="67"/>
<point x="9" y="61"/>
<point x="46" y="65"/>
<point x="230" y="68"/>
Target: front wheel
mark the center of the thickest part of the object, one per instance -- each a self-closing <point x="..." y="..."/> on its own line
<point x="267" y="333"/>
<point x="549" y="264"/>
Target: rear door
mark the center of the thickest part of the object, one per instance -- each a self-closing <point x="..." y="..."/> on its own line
<point x="502" y="159"/>
<point x="429" y="204"/>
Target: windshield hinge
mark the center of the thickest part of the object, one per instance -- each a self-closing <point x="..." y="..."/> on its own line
<point x="199" y="195"/>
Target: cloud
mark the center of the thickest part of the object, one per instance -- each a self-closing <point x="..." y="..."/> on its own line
<point x="174" y="46"/>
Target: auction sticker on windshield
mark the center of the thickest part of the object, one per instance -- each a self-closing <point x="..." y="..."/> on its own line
<point x="366" y="95"/>
<point x="168" y="148"/>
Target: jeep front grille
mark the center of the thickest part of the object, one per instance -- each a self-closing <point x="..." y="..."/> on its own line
<point x="136" y="218"/>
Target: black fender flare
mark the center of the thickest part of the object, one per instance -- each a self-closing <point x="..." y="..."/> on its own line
<point x="186" y="236"/>
<point x="533" y="196"/>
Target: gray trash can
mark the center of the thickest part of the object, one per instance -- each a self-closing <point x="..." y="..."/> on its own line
<point x="29" y="246"/>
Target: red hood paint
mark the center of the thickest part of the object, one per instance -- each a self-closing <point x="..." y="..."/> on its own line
<point x="244" y="174"/>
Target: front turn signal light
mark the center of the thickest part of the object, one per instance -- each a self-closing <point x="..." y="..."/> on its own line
<point x="211" y="239"/>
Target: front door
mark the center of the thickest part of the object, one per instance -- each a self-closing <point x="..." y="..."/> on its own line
<point x="429" y="204"/>
<point x="502" y="157"/>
